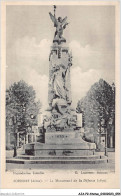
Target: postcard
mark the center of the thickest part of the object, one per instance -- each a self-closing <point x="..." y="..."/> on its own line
<point x="60" y="114"/>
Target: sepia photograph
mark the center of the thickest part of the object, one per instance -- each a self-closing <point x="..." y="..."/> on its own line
<point x="60" y="90"/>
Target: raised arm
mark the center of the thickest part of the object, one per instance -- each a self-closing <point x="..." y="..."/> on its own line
<point x="54" y="20"/>
<point x="64" y="20"/>
<point x="64" y="26"/>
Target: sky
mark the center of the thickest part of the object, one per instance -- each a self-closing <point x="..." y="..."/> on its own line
<point x="90" y="36"/>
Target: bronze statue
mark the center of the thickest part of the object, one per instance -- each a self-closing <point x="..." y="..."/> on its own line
<point x="60" y="25"/>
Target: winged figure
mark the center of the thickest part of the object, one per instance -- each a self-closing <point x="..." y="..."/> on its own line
<point x="60" y="25"/>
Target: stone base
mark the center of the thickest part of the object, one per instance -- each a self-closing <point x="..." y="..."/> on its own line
<point x="66" y="143"/>
<point x="58" y="160"/>
<point x="78" y="149"/>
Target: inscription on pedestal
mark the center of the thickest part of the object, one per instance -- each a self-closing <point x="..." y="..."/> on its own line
<point x="59" y="137"/>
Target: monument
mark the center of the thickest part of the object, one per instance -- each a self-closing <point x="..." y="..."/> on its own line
<point x="62" y="127"/>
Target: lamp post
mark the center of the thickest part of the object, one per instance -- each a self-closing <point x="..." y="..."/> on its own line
<point x="106" y="133"/>
<point x="106" y="151"/>
<point x="23" y="106"/>
<point x="99" y="131"/>
<point x="101" y="126"/>
<point x="15" y="137"/>
<point x="15" y="123"/>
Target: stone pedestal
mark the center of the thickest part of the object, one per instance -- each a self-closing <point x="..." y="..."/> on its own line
<point x="78" y="149"/>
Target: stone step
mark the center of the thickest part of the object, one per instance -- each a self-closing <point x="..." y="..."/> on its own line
<point x="83" y="161"/>
<point x="27" y="157"/>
